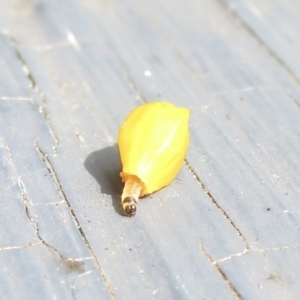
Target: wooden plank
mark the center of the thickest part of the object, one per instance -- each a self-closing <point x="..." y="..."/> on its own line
<point x="275" y="25"/>
<point x="235" y="202"/>
<point x="265" y="274"/>
<point x="137" y="246"/>
<point x="42" y="250"/>
<point x="259" y="138"/>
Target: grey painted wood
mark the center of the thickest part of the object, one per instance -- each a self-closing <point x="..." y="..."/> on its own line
<point x="226" y="228"/>
<point x="274" y="25"/>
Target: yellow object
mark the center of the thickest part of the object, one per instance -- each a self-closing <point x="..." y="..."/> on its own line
<point x="153" y="141"/>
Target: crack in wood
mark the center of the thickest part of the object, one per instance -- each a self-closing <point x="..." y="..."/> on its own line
<point x="45" y="159"/>
<point x="33" y="85"/>
<point x="133" y="85"/>
<point x="214" y="201"/>
<point x="73" y="287"/>
<point x="52" y="133"/>
<point x="219" y="270"/>
<point x="275" y="249"/>
<point x="34" y="221"/>
<point x="20" y="58"/>
<point x="20" y="247"/>
<point x="72" y="264"/>
<point x="16" y="99"/>
<point x="51" y="171"/>
<point x="256" y="250"/>
<point x="48" y="203"/>
<point x="294" y="99"/>
<point x="240" y="234"/>
<point x="231" y="256"/>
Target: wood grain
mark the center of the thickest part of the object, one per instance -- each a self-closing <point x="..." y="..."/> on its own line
<point x="227" y="227"/>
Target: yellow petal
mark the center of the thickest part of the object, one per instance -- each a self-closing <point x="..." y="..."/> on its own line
<point x="153" y="141"/>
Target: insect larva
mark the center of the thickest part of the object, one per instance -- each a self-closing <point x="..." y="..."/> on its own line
<point x="153" y="141"/>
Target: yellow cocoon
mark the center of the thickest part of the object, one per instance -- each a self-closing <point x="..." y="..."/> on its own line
<point x="153" y="141"/>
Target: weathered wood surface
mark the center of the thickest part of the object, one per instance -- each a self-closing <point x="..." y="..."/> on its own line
<point x="228" y="227"/>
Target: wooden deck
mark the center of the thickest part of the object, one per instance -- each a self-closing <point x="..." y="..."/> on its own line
<point x="228" y="227"/>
